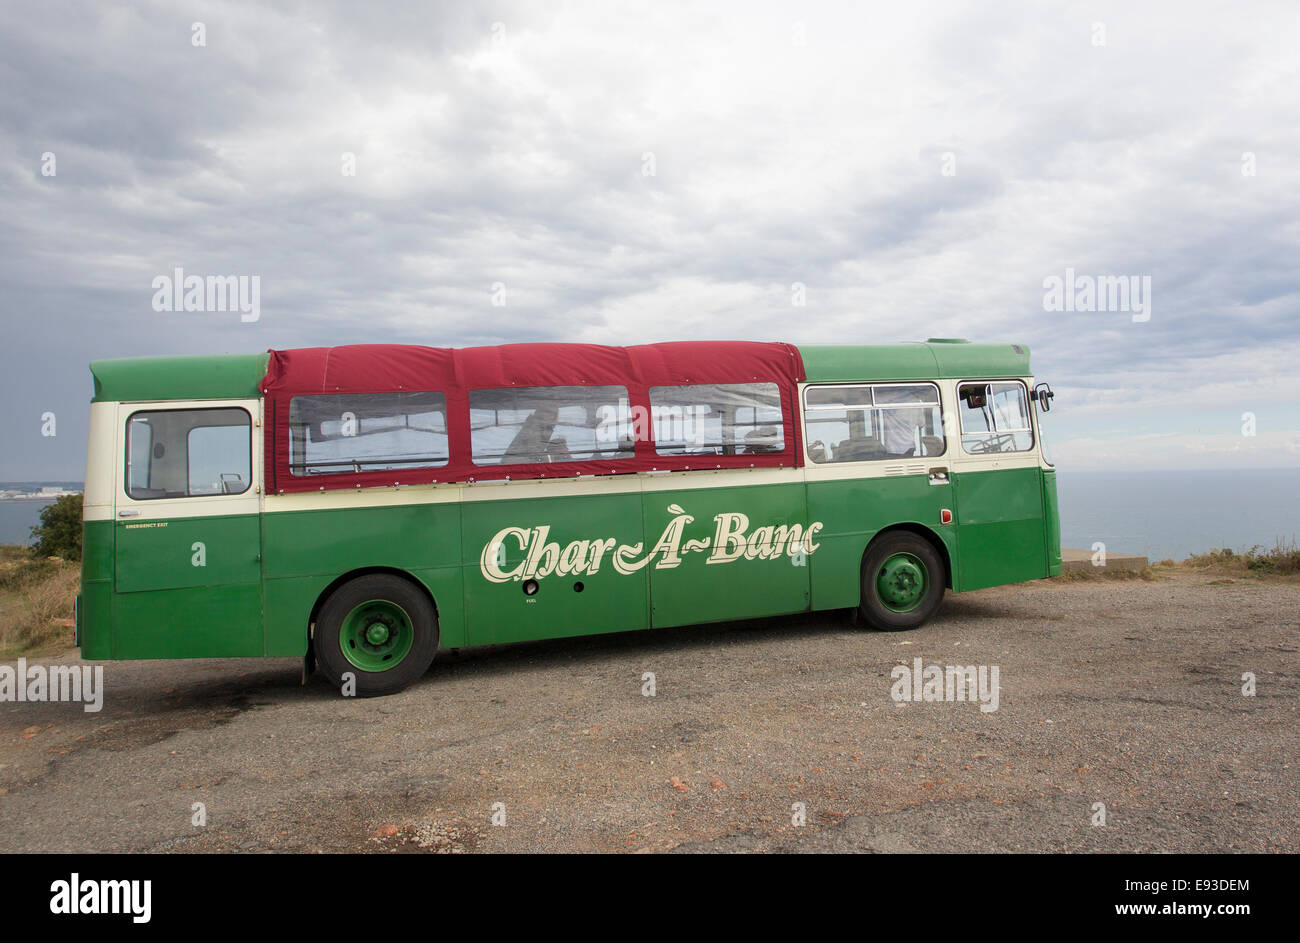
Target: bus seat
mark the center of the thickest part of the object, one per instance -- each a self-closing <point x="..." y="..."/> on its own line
<point x="859" y="450"/>
<point x="761" y="441"/>
<point x="931" y="445"/>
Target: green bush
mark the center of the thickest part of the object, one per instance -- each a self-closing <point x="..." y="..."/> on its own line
<point x="59" y="532"/>
<point x="1283" y="558"/>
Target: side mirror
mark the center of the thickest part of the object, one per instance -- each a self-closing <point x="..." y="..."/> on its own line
<point x="1042" y="394"/>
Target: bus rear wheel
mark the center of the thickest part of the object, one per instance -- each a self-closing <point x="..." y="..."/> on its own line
<point x="903" y="580"/>
<point x="381" y="630"/>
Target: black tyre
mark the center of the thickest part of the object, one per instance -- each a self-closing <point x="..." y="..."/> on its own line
<point x="903" y="580"/>
<point x="381" y="629"/>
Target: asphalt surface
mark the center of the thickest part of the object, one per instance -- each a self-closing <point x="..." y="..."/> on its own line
<point x="1125" y="693"/>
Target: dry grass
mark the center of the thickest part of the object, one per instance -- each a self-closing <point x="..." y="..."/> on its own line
<point x="37" y="597"/>
<point x="1282" y="560"/>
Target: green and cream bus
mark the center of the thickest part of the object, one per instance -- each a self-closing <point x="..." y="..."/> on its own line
<point x="365" y="506"/>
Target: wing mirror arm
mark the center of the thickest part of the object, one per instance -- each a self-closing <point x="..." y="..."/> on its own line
<point x="1042" y="394"/>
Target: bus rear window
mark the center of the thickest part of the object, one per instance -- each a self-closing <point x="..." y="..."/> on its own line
<point x="341" y="433"/>
<point x="538" y="424"/>
<point x="717" y="419"/>
<point x="186" y="453"/>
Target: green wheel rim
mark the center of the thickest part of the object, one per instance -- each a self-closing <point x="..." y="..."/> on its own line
<point x="902" y="582"/>
<point x="376" y="635"/>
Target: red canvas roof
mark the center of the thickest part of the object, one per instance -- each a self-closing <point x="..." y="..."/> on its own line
<point x="374" y="368"/>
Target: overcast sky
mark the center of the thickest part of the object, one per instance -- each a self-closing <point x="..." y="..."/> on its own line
<point x="662" y="171"/>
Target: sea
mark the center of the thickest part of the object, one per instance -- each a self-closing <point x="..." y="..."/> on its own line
<point x="17" y="518"/>
<point x="1168" y="515"/>
<point x="1160" y="515"/>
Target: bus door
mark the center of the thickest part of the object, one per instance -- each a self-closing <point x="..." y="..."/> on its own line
<point x="998" y="486"/>
<point x="187" y="542"/>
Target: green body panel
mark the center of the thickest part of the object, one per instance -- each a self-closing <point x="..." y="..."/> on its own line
<point x="175" y="599"/>
<point x="264" y="574"/>
<point x="1052" y="520"/>
<point x="839" y="364"/>
<point x="1001" y="532"/>
<point x="854" y="512"/>
<point x="963" y="360"/>
<point x="287" y="606"/>
<point x="930" y="361"/>
<point x="167" y="554"/>
<point x="695" y="590"/>
<point x="306" y="551"/>
<point x="96" y="552"/>
<point x="195" y="622"/>
<point x="136" y="379"/>
<point x="405" y="537"/>
<point x="95" y="608"/>
<point x="610" y="601"/>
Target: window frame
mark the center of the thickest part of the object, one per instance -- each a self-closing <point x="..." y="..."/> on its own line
<point x="1029" y="413"/>
<point x="870" y="418"/>
<point x="166" y="407"/>
<point x="126" y="457"/>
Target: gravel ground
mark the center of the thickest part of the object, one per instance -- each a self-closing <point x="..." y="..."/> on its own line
<point x="1126" y="693"/>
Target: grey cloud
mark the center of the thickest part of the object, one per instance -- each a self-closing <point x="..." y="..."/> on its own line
<point x="522" y="164"/>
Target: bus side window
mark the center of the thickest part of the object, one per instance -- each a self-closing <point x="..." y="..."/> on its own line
<point x="717" y="419"/>
<point x="350" y="433"/>
<point x="539" y="424"/>
<point x="873" y="422"/>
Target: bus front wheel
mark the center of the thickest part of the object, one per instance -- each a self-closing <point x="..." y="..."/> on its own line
<point x="903" y="580"/>
<point x="375" y="635"/>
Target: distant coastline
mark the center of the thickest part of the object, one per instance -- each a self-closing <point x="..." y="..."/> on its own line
<point x="14" y="492"/>
<point x="21" y="504"/>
